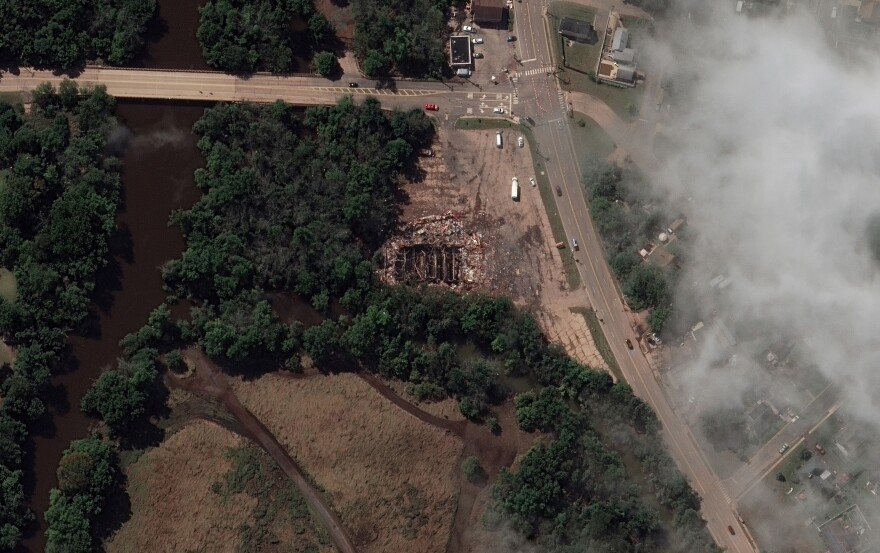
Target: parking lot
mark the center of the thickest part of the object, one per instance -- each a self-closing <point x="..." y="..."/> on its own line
<point x="492" y="57"/>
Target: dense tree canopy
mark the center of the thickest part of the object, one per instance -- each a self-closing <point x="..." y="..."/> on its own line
<point x="64" y="34"/>
<point x="293" y="203"/>
<point x="408" y="36"/>
<point x="86" y="473"/>
<point x="57" y="212"/>
<point x="244" y="36"/>
<point x="619" y="205"/>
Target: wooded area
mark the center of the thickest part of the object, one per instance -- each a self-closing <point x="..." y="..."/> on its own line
<point x="619" y="206"/>
<point x="244" y="36"/>
<point x="57" y="213"/>
<point x="63" y="34"/>
<point x="407" y="37"/>
<point x="299" y="204"/>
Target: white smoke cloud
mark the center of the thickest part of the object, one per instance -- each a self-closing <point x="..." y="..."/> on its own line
<point x="779" y="152"/>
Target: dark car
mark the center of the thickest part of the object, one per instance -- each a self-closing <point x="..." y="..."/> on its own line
<point x="558" y="191"/>
<point x="353" y="85"/>
<point x="629" y="344"/>
<point x="478" y="55"/>
<point x="511" y="38"/>
<point x="730" y="529"/>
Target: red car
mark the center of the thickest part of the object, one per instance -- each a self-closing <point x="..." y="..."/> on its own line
<point x="431" y="107"/>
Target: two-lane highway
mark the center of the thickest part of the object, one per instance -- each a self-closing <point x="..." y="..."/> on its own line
<point x="554" y="139"/>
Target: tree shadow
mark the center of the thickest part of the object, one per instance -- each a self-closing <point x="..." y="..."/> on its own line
<point x="156" y="31"/>
<point x="108" y="279"/>
<point x="116" y="511"/>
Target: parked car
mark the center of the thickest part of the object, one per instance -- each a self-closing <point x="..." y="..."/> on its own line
<point x="784" y="448"/>
<point x="511" y="38"/>
<point x="353" y="85"/>
<point x="820" y="449"/>
<point x="498" y="110"/>
<point x="629" y="344"/>
<point x="521" y="141"/>
<point x="478" y="40"/>
<point x="532" y="182"/>
<point x="431" y="107"/>
<point x="478" y="55"/>
<point x="468" y="29"/>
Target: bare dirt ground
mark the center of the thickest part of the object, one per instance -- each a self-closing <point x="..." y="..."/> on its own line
<point x="173" y="507"/>
<point x="390" y="476"/>
<point x="470" y="176"/>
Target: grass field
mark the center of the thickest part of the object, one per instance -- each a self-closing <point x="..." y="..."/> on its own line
<point x="581" y="59"/>
<point x="482" y="123"/>
<point x="599" y="339"/>
<point x="589" y="139"/>
<point x="572" y="276"/>
<point x="391" y="477"/>
<point x="172" y="505"/>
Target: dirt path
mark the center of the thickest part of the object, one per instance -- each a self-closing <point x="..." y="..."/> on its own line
<point x="209" y="382"/>
<point x="456" y="427"/>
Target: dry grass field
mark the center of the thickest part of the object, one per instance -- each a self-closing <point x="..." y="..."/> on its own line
<point x="392" y="478"/>
<point x="173" y="507"/>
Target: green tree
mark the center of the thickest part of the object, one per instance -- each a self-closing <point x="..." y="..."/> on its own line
<point x="473" y="470"/>
<point x="325" y="64"/>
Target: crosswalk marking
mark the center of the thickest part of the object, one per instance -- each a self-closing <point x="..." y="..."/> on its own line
<point x="561" y="100"/>
<point x="375" y="91"/>
<point x="536" y="71"/>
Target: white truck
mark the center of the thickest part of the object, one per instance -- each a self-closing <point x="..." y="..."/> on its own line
<point x="498" y="142"/>
<point x="514" y="189"/>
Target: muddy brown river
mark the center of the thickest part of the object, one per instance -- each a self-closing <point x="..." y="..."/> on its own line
<point x="158" y="162"/>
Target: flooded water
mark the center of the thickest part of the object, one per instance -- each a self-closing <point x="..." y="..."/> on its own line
<point x="172" y="42"/>
<point x="158" y="164"/>
<point x="158" y="167"/>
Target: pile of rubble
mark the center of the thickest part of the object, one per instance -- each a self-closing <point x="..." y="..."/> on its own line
<point x="436" y="249"/>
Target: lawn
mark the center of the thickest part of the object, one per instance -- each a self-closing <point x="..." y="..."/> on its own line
<point x="481" y="123"/>
<point x="600" y="340"/>
<point x="589" y="138"/>
<point x="581" y="60"/>
<point x="572" y="276"/>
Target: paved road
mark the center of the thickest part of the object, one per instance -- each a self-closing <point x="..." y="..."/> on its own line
<point x="553" y="135"/>
<point x="766" y="458"/>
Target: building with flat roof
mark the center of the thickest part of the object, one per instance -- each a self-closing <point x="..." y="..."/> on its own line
<point x="848" y="532"/>
<point x="869" y="11"/>
<point x="620" y="39"/>
<point x="460" y="51"/>
<point x="488" y="11"/>
<point x="627" y="55"/>
<point x="577" y="30"/>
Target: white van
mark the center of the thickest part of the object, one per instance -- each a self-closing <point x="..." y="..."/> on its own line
<point x="522" y="142"/>
<point x="498" y="139"/>
<point x="739" y="6"/>
<point x="514" y="189"/>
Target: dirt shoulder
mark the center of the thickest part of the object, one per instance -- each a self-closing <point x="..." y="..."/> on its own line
<point x="470" y="177"/>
